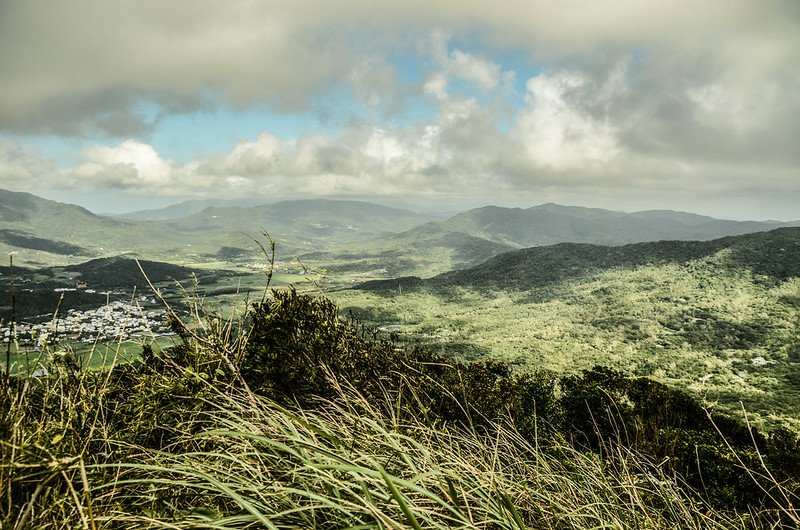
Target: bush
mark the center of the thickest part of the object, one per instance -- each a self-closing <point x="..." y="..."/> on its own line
<point x="299" y="347"/>
<point x="321" y="425"/>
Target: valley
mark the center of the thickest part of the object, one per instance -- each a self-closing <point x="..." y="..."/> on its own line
<point x="707" y="305"/>
<point x="728" y="333"/>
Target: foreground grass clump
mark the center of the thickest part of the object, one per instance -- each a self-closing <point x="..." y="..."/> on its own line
<point x="296" y="418"/>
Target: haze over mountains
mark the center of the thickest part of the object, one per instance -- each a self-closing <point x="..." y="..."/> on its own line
<point x="351" y="235"/>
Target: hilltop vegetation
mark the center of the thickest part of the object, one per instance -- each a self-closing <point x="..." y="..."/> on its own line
<point x="295" y="417"/>
<point x="719" y="318"/>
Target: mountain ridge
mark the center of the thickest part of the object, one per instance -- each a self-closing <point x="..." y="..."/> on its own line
<point x="471" y="237"/>
<point x="774" y="254"/>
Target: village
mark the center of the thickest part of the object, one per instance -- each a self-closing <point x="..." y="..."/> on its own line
<point x="114" y="321"/>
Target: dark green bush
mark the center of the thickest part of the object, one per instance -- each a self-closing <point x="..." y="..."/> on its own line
<point x="298" y="340"/>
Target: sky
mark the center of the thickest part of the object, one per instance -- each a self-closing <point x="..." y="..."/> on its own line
<point x="623" y="104"/>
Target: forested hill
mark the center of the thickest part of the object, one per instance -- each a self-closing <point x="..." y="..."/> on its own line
<point x="122" y="272"/>
<point x="471" y="237"/>
<point x="774" y="254"/>
<point x="548" y="224"/>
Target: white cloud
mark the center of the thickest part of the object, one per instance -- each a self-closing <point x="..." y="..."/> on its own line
<point x="130" y="164"/>
<point x="485" y="74"/>
<point x="436" y="86"/>
<point x="248" y="158"/>
<point x="478" y="71"/>
<point x="636" y="94"/>
<point x="557" y="131"/>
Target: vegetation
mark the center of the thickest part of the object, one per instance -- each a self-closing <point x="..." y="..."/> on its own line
<point x="653" y="385"/>
<point x="295" y="417"/>
<point x="472" y="237"/>
<point x="717" y="318"/>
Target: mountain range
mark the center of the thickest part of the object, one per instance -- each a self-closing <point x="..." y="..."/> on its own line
<point x="344" y="236"/>
<point x="472" y="237"/>
<point x="771" y="255"/>
<point x="47" y="232"/>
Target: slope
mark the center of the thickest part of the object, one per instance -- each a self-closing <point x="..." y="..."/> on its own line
<point x="49" y="230"/>
<point x="720" y="318"/>
<point x="299" y="226"/>
<point x="471" y="237"/>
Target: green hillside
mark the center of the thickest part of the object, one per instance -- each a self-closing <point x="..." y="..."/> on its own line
<point x="774" y="254"/>
<point x="12" y="238"/>
<point x="471" y="237"/>
<point x="721" y="318"/>
<point x="45" y="232"/>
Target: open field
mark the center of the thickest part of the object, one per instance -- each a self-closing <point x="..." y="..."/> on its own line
<point x="97" y="356"/>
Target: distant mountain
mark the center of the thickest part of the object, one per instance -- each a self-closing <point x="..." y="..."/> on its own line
<point x="774" y="254"/>
<point x="548" y="224"/>
<point x="187" y="208"/>
<point x="31" y="223"/>
<point x="301" y="225"/>
<point x="473" y="236"/>
<point x="48" y="231"/>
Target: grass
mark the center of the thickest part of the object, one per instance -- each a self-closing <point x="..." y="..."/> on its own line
<point x="253" y="463"/>
<point x="349" y="466"/>
<point x="185" y="442"/>
<point x="87" y="356"/>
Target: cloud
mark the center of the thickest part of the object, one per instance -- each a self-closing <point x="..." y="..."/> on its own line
<point x="85" y="68"/>
<point x="131" y="164"/>
<point x="641" y="95"/>
<point x="479" y="71"/>
<point x="558" y="130"/>
<point x="92" y="64"/>
<point x="22" y="167"/>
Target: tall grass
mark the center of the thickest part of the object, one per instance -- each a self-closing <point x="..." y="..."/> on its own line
<point x="181" y="441"/>
<point x="244" y="463"/>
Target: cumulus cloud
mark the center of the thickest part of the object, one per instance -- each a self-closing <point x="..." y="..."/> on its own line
<point x="556" y="130"/>
<point x="137" y="164"/>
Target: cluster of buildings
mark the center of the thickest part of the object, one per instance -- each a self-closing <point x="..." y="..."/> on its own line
<point x="113" y="321"/>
